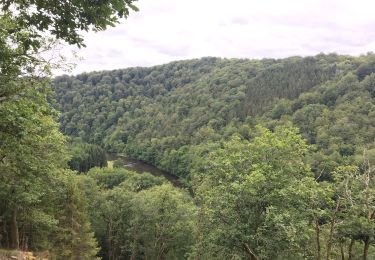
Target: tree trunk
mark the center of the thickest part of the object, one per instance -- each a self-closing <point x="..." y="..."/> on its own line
<point x="342" y="251"/>
<point x="350" y="249"/>
<point x="161" y="253"/>
<point x="250" y="252"/>
<point x="14" y="235"/>
<point x="197" y="250"/>
<point x="332" y="229"/>
<point x="109" y="240"/>
<point x="198" y="242"/>
<point x="134" y="249"/>
<point x="6" y="234"/>
<point x="365" y="248"/>
<point x="317" y="231"/>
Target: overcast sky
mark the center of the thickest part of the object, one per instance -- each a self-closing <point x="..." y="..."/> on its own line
<point x="167" y="30"/>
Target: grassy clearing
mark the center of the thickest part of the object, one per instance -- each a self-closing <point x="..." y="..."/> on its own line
<point x="110" y="164"/>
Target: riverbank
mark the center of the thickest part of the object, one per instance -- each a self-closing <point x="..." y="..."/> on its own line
<point x="141" y="167"/>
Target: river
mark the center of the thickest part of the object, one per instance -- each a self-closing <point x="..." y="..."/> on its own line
<point x="141" y="167"/>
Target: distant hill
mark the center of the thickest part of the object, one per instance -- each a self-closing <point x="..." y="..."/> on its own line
<point x="159" y="114"/>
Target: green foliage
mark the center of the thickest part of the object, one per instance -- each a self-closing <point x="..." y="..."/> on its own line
<point x="73" y="237"/>
<point x="18" y="47"/>
<point x="337" y="117"/>
<point x="85" y="156"/>
<point x="253" y="185"/>
<point x="109" y="178"/>
<point x="138" y="216"/>
<point x="29" y="138"/>
<point x="245" y="196"/>
<point x="255" y="195"/>
<point x="163" y="223"/>
<point x="118" y="163"/>
<point x="366" y="69"/>
<point x="157" y="114"/>
<point x="41" y="207"/>
<point x="64" y="20"/>
<point x="356" y="196"/>
<point x="33" y="209"/>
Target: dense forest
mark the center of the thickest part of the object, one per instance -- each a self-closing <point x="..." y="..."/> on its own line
<point x="163" y="115"/>
<point x="42" y="208"/>
<point x="274" y="152"/>
<point x="275" y="156"/>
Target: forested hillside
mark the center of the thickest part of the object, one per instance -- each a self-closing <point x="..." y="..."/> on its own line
<point x="275" y="158"/>
<point x="41" y="207"/>
<point x="278" y="157"/>
<point x="162" y="114"/>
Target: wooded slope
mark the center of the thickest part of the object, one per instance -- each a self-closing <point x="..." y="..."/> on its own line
<point x="158" y="114"/>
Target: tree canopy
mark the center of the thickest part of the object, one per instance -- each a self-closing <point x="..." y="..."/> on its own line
<point x="277" y="154"/>
<point x="41" y="207"/>
<point x="67" y="19"/>
<point x="161" y="114"/>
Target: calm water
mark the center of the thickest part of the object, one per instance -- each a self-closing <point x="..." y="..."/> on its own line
<point x="140" y="167"/>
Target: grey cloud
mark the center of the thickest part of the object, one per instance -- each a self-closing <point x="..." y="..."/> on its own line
<point x="304" y="20"/>
<point x="240" y="20"/>
<point x="351" y="38"/>
<point x="144" y="42"/>
<point x="166" y="30"/>
<point x="273" y="53"/>
<point x="175" y="49"/>
<point x="114" y="53"/>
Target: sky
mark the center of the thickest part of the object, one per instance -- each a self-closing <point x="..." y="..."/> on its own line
<point x="169" y="30"/>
